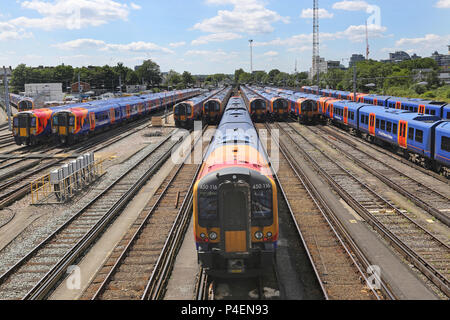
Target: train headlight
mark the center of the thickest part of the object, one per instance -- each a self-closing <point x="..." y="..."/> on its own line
<point x="259" y="235"/>
<point x="202" y="235"/>
<point x="269" y="234"/>
<point x="213" y="236"/>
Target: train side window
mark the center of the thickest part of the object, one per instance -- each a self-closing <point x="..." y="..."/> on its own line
<point x="388" y="126"/>
<point x="395" y="129"/>
<point x="445" y="144"/>
<point x="362" y="118"/>
<point x="378" y="124"/>
<point x="419" y="136"/>
<point x="16" y="122"/>
<point x="427" y="111"/>
<point x="448" y="115"/>
<point x="433" y="112"/>
<point x="383" y="125"/>
<point x="416" y="110"/>
<point x="411" y="134"/>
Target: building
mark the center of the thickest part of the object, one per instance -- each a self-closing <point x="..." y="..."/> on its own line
<point x="44" y="92"/>
<point x="399" y="56"/>
<point x="355" y="58"/>
<point x="136" y="88"/>
<point x="443" y="60"/>
<point x="325" y="66"/>
<point x="85" y="87"/>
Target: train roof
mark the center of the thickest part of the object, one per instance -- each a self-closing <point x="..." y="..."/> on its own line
<point x="444" y="127"/>
<point x="396" y="114"/>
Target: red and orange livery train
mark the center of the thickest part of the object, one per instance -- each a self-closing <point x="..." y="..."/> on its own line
<point x="235" y="200"/>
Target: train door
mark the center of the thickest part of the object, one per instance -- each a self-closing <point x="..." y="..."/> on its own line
<point x="372" y="124"/>
<point x="128" y="112"/>
<point x="92" y="120"/>
<point x="398" y="105"/>
<point x="422" y="109"/>
<point x="331" y="111"/>
<point x="112" y="116"/>
<point x="375" y="102"/>
<point x="402" y="132"/>
<point x="235" y="215"/>
<point x="346" y="115"/>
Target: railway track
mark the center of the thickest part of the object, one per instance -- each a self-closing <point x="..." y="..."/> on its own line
<point x="140" y="265"/>
<point x="432" y="201"/>
<point x="336" y="259"/>
<point x="36" y="274"/>
<point x="425" y="251"/>
<point x="252" y="288"/>
<point x="19" y="186"/>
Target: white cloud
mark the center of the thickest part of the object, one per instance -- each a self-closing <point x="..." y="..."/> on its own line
<point x="443" y="4"/>
<point x="102" y="45"/>
<point x="216" y="37"/>
<point x="323" y="14"/>
<point x="247" y="16"/>
<point x="135" y="6"/>
<point x="177" y="44"/>
<point x="10" y="32"/>
<point x="352" y="33"/>
<point x="270" y="54"/>
<point x="72" y="14"/>
<point x="428" y="41"/>
<point x="351" y="5"/>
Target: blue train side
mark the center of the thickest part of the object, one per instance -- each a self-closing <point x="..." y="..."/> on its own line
<point x="435" y="108"/>
<point x="422" y="138"/>
<point x="78" y="122"/>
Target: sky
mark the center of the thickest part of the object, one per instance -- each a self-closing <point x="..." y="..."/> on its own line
<point x="211" y="36"/>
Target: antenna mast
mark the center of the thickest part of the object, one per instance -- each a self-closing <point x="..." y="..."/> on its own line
<point x="316" y="57"/>
<point x="367" y="43"/>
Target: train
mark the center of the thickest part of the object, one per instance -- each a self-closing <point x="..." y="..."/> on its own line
<point x="235" y="203"/>
<point x="187" y="112"/>
<point x="21" y="103"/>
<point x="434" y="108"/>
<point x="279" y="107"/>
<point x="71" y="123"/>
<point x="214" y="107"/>
<point x="422" y="138"/>
<point x="302" y="106"/>
<point x="256" y="105"/>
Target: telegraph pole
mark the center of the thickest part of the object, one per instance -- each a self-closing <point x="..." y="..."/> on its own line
<point x="120" y="84"/>
<point x="7" y="105"/>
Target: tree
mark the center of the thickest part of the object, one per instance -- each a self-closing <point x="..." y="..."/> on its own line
<point x="187" y="78"/>
<point x="237" y="74"/>
<point x="173" y="78"/>
<point x="150" y="72"/>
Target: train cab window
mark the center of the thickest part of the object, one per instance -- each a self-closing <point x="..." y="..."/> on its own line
<point x="207" y="205"/>
<point x="378" y="123"/>
<point x="388" y="126"/>
<point x="16" y="122"/>
<point x="419" y="136"/>
<point x="262" y="204"/>
<point x="394" y="128"/>
<point x="445" y="144"/>
<point x="71" y="121"/>
<point x="411" y="134"/>
<point x="33" y="122"/>
<point x="383" y="125"/>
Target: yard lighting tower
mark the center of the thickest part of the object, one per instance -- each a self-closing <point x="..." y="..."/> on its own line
<point x="251" y="56"/>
